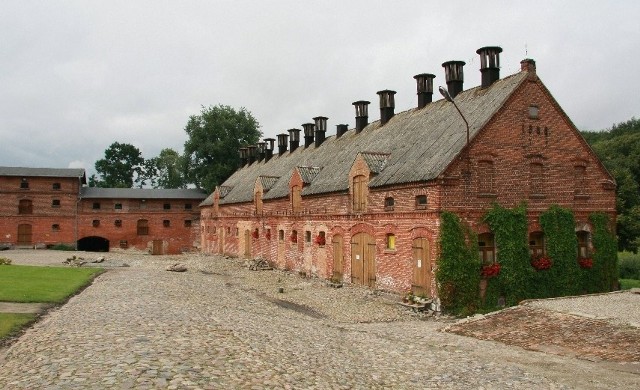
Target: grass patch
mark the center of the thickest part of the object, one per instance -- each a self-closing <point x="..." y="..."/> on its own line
<point x="21" y="283"/>
<point x="11" y="323"/>
<point x="626" y="284"/>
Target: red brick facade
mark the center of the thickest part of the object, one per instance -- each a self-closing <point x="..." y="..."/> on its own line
<point x="39" y="210"/>
<point x="527" y="151"/>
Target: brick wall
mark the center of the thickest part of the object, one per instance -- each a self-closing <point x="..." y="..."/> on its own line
<point x="539" y="160"/>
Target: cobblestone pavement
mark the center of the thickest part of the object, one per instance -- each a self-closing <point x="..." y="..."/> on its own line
<point x="219" y="325"/>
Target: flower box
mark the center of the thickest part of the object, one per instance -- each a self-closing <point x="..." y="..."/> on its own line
<point x="490" y="271"/>
<point x="541" y="263"/>
<point x="585" y="263"/>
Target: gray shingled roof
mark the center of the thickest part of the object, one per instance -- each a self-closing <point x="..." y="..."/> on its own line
<point x="141" y="193"/>
<point x="267" y="182"/>
<point x="308" y="173"/>
<point x="418" y="144"/>
<point x="42" y="172"/>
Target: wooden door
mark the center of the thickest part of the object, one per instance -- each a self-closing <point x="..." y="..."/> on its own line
<point x="24" y="234"/>
<point x="247" y="244"/>
<point x="157" y="247"/>
<point x="421" y="283"/>
<point x="363" y="260"/>
<point x="337" y="257"/>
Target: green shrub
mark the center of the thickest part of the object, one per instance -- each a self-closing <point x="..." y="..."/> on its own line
<point x="604" y="274"/>
<point x="509" y="227"/>
<point x="5" y="261"/>
<point x="626" y="284"/>
<point x="564" y="277"/>
<point x="629" y="265"/>
<point x="458" y="273"/>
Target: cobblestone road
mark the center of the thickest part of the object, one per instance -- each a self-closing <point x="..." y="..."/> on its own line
<point x="219" y="325"/>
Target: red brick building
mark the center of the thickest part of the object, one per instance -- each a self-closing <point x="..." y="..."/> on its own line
<point x="42" y="207"/>
<point x="364" y="206"/>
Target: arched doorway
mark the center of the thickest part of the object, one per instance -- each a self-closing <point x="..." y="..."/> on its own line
<point x="363" y="260"/>
<point x="421" y="283"/>
<point x="338" y="257"/>
<point x="93" y="244"/>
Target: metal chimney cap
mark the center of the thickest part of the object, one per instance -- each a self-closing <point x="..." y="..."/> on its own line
<point x="496" y="49"/>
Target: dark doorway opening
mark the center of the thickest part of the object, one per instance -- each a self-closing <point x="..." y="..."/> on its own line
<point x="93" y="244"/>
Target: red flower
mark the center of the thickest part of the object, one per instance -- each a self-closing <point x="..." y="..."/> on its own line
<point x="541" y="263"/>
<point x="255" y="234"/>
<point x="293" y="237"/>
<point x="585" y="263"/>
<point x="320" y="240"/>
<point x="268" y="234"/>
<point x="489" y="271"/>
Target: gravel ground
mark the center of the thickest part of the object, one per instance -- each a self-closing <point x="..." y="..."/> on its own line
<point x="621" y="307"/>
<point x="219" y="325"/>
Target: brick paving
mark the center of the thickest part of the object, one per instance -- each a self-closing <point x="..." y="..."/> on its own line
<point x="221" y="326"/>
<point x="558" y="333"/>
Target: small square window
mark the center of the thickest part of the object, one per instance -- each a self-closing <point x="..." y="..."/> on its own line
<point x="24" y="184"/>
<point x="96" y="205"/>
<point x="55" y="203"/>
<point x="96" y="223"/>
<point x="307" y="236"/>
<point x="118" y="223"/>
<point x="388" y="204"/>
<point x="421" y="202"/>
<point x="55" y="227"/>
<point x="166" y="206"/>
<point x="55" y="186"/>
<point x="187" y="223"/>
<point x="118" y="206"/>
<point x="533" y="112"/>
<point x="167" y="223"/>
<point x="188" y="206"/>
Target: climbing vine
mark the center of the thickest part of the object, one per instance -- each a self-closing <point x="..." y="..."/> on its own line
<point x="458" y="273"/>
<point x="509" y="227"/>
<point x="603" y="276"/>
<point x="563" y="278"/>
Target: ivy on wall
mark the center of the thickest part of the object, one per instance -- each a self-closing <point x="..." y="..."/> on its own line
<point x="458" y="274"/>
<point x="603" y="276"/>
<point x="509" y="227"/>
<point x="558" y="225"/>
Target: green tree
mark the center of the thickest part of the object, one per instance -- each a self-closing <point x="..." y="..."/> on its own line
<point x="619" y="150"/>
<point x="121" y="167"/>
<point x="167" y="170"/>
<point x="211" y="152"/>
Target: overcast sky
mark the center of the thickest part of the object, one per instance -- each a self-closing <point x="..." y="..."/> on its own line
<point x="76" y="76"/>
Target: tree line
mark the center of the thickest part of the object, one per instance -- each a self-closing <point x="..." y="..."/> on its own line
<point x="210" y="154"/>
<point x="619" y="150"/>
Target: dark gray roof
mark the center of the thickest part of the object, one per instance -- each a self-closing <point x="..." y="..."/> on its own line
<point x="267" y="182"/>
<point x="414" y="146"/>
<point x="308" y="173"/>
<point x="141" y="193"/>
<point x="42" y="172"/>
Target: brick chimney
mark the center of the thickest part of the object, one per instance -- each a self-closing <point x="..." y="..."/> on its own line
<point x="294" y="139"/>
<point x="243" y="153"/>
<point x="341" y="129"/>
<point x="489" y="64"/>
<point x="387" y="105"/>
<point x="362" y="114"/>
<point x="261" y="150"/>
<point x="308" y="134"/>
<point x="528" y="65"/>
<point x="269" y="148"/>
<point x="252" y="154"/>
<point x="454" y="76"/>
<point x="283" y="140"/>
<point x="424" y="83"/>
<point x="321" y="129"/>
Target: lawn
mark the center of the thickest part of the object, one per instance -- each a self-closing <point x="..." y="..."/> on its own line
<point x="626" y="284"/>
<point x="21" y="283"/>
<point x="12" y="322"/>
